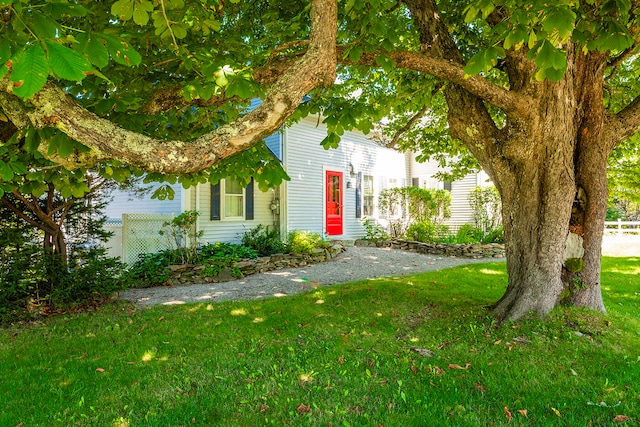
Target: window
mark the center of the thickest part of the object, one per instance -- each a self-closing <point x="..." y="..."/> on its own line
<point x="233" y="200"/>
<point x="367" y="195"/>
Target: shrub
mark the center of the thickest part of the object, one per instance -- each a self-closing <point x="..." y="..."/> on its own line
<point x="264" y="240"/>
<point x="218" y="256"/>
<point x="182" y="233"/>
<point x="495" y="235"/>
<point x="149" y="270"/>
<point x="303" y="242"/>
<point x="92" y="275"/>
<point x="427" y="232"/>
<point x="373" y="231"/>
<point x="468" y="234"/>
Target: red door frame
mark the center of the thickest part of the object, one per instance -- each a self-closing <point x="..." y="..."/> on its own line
<point x="334" y="207"/>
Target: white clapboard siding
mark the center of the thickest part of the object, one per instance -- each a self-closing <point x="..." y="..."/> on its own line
<point x="125" y="202"/>
<point x="306" y="162"/>
<point x="461" y="212"/>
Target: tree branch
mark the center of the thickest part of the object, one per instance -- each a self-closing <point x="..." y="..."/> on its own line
<point x="623" y="125"/>
<point x="53" y="107"/>
<point x="412" y="121"/>
<point x="444" y="69"/>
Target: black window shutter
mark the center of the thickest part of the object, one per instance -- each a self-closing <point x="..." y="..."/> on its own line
<point x="248" y="214"/>
<point x="415" y="182"/>
<point x="447" y="185"/>
<point x="359" y="195"/>
<point x="215" y="202"/>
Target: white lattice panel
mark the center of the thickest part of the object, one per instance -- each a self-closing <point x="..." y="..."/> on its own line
<point x="140" y="235"/>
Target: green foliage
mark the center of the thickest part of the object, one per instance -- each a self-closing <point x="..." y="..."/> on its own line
<point x="304" y="242"/>
<point x="467" y="233"/>
<point x="427" y="232"/>
<point x="219" y="256"/>
<point x="150" y="269"/>
<point x="374" y="232"/>
<point x="487" y="206"/>
<point x="407" y="205"/>
<point x="92" y="275"/>
<point x="264" y="241"/>
<point x="183" y="235"/>
<point x="494" y="235"/>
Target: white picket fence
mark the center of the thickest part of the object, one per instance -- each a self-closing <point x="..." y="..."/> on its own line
<point x="620" y="227"/>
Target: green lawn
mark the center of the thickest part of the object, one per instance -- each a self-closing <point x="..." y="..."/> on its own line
<point x="337" y="356"/>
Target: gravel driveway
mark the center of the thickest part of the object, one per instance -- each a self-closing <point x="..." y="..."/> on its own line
<point x="357" y="263"/>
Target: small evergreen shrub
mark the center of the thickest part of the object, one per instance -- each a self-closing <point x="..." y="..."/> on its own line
<point x="91" y="275"/>
<point x="263" y="240"/>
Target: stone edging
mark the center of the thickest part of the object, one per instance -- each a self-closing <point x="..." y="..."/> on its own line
<point x="488" y="250"/>
<point x="189" y="274"/>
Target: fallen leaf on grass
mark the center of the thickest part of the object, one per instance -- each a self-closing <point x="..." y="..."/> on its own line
<point x="522" y="340"/>
<point x="480" y="387"/>
<point x="507" y="414"/>
<point x="99" y="369"/>
<point x="129" y="363"/>
<point x="523" y="412"/>
<point x="263" y="407"/>
<point x="456" y="366"/>
<point x="303" y="409"/>
<point x="424" y="352"/>
<point x="620" y="419"/>
<point x="161" y="318"/>
<point x="438" y="370"/>
<point x="556" y="412"/>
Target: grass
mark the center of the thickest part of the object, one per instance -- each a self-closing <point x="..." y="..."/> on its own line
<point x="336" y="356"/>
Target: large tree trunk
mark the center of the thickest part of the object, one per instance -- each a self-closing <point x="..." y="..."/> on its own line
<point x="590" y="207"/>
<point x="536" y="212"/>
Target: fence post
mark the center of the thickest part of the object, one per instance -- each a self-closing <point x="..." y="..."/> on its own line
<point x="619" y="226"/>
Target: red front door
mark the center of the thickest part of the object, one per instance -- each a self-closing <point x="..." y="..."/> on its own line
<point x="334" y="203"/>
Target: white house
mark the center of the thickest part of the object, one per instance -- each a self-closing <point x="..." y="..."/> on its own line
<point x="330" y="192"/>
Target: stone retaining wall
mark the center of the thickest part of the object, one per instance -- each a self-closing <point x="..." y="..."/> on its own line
<point x="191" y="274"/>
<point x="489" y="250"/>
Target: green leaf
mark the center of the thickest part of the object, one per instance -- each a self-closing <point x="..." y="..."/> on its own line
<point x="385" y="62"/>
<point x="95" y="48"/>
<point x="560" y="20"/>
<point x="5" y="54"/>
<point x="19" y="168"/>
<point x="31" y="140"/>
<point x="66" y="63"/>
<point x="141" y="11"/>
<point x="45" y="27"/>
<point x="123" y="9"/>
<point x="179" y="30"/>
<point x="120" y="51"/>
<point x="5" y="171"/>
<point x="332" y="140"/>
<point x="58" y="10"/>
<point x="30" y="72"/>
<point x="355" y="53"/>
<point x="484" y="60"/>
<point x="241" y="88"/>
<point x="550" y="57"/>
